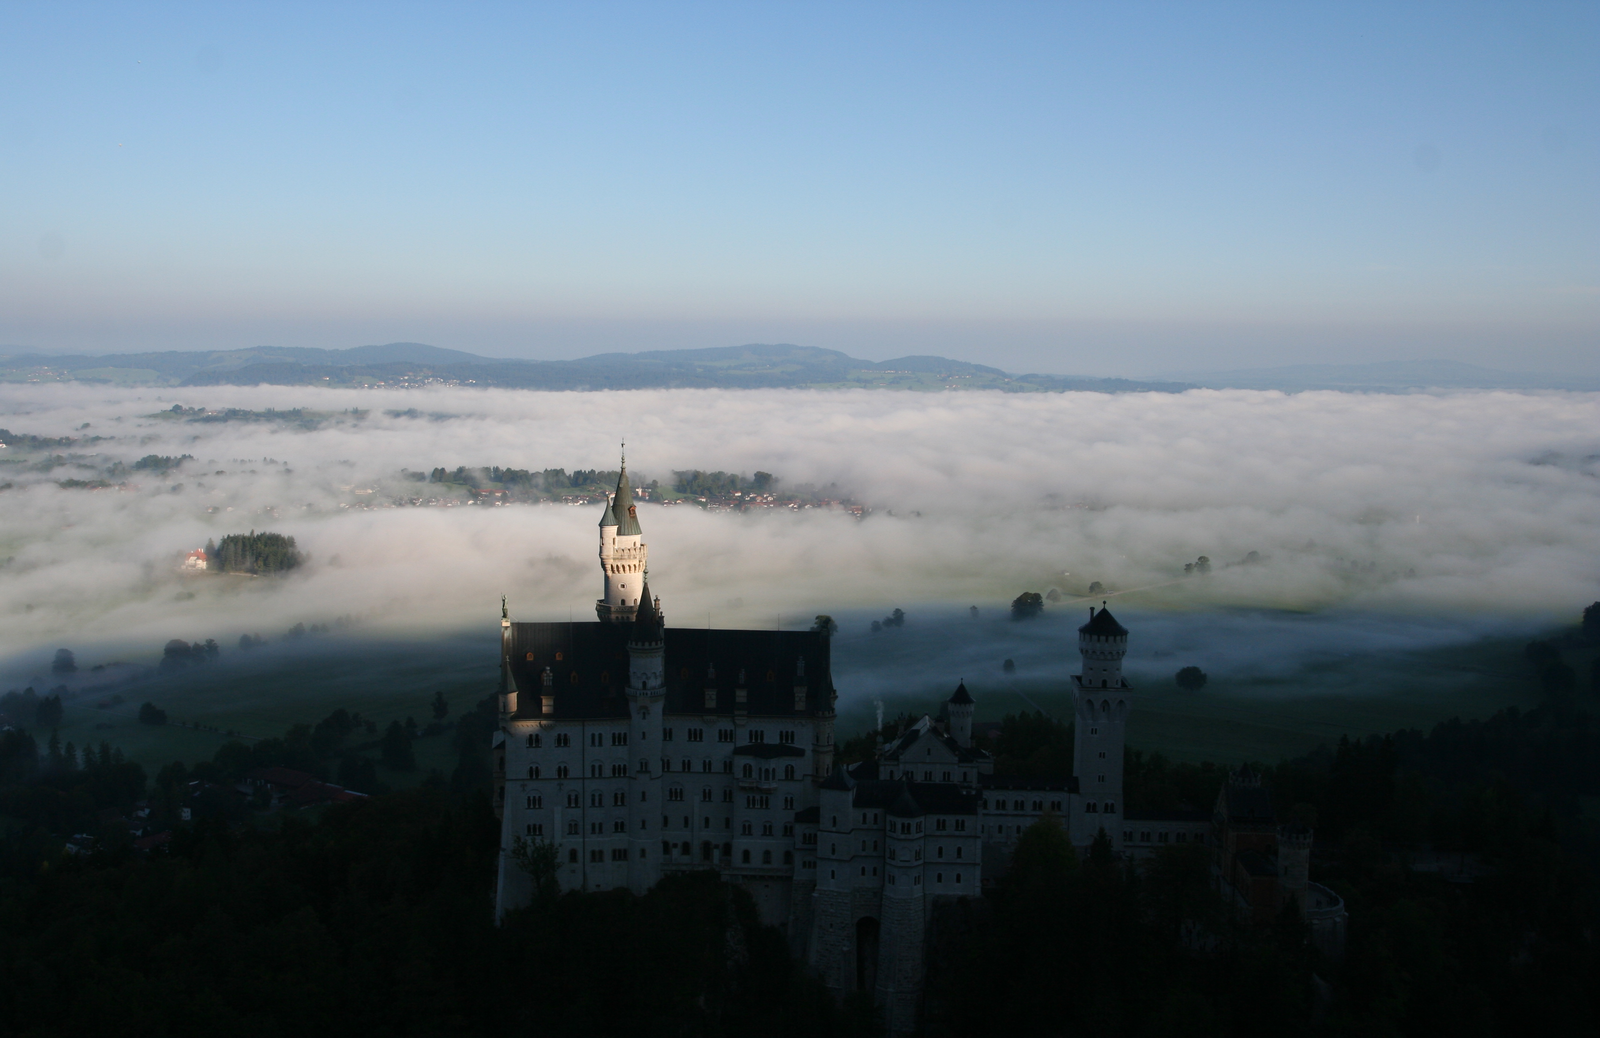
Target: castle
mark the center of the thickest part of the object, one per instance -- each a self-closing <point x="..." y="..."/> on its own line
<point x="639" y="750"/>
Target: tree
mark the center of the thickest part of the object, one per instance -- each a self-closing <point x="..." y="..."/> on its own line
<point x="396" y="748"/>
<point x="149" y="713"/>
<point x="1027" y="605"/>
<point x="825" y="626"/>
<point x="1191" y="679"/>
<point x="540" y="859"/>
<point x="440" y="707"/>
<point x="48" y="713"/>
<point x="65" y="662"/>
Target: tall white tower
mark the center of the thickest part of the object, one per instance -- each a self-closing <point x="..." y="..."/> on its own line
<point x="623" y="555"/>
<point x="1102" y="699"/>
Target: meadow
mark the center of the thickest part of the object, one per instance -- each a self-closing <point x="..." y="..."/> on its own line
<point x="1280" y="684"/>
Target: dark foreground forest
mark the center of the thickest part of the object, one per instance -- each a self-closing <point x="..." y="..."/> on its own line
<point x="375" y="918"/>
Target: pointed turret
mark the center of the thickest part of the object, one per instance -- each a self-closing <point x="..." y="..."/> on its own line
<point x="959" y="707"/>
<point x="622" y="507"/>
<point x="623" y="555"/>
<point x="647" y="620"/>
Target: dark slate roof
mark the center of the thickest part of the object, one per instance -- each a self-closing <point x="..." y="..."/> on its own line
<point x="930" y="798"/>
<point x="961" y="697"/>
<point x="839" y="779"/>
<point x="768" y="750"/>
<point x="862" y="771"/>
<point x="627" y="514"/>
<point x="609" y="516"/>
<point x="1247" y="804"/>
<point x="902" y="745"/>
<point x="1103" y="624"/>
<point x="808" y="815"/>
<point x="905" y="805"/>
<point x="591" y="673"/>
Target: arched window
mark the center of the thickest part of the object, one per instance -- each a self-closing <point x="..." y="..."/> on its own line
<point x="788" y="771"/>
<point x="788" y="857"/>
<point x="533" y="771"/>
<point x="744" y="857"/>
<point x="748" y="771"/>
<point x="766" y="857"/>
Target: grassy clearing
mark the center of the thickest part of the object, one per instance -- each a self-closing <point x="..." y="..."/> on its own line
<point x="261" y="692"/>
<point x="1265" y="716"/>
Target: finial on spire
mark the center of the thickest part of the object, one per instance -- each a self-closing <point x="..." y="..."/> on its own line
<point x="624" y="453"/>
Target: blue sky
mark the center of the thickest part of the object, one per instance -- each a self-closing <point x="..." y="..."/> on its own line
<point x="1108" y="189"/>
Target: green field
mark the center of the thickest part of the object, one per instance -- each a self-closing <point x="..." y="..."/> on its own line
<point x="259" y="693"/>
<point x="1309" y="698"/>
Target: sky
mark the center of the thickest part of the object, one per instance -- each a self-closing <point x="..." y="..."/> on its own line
<point x="1130" y="189"/>
<point x="1461" y="511"/>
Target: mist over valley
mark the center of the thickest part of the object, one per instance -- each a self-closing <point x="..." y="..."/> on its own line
<point x="1335" y="529"/>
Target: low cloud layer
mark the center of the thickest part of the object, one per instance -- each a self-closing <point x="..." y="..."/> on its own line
<point x="1473" y="503"/>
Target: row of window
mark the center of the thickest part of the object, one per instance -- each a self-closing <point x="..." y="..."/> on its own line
<point x="927" y="775"/>
<point x="1000" y="804"/>
<point x="620" y="738"/>
<point x="596" y="770"/>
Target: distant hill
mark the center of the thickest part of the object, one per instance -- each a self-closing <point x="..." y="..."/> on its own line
<point x="753" y="366"/>
<point x="1387" y="377"/>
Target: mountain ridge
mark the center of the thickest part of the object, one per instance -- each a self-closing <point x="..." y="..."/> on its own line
<point x="749" y="366"/>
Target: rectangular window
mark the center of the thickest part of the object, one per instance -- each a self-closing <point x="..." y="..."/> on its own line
<point x="786" y="738"/>
<point x="697" y="734"/>
<point x="757" y="735"/>
<point x="535" y="803"/>
<point x="572" y="829"/>
<point x="788" y="803"/>
<point x="961" y="825"/>
<point x="563" y="740"/>
<point x="788" y="828"/>
<point x="938" y="825"/>
<point x="724" y="734"/>
<point x="619" y="738"/>
<point x="536" y="829"/>
<point x="666" y="735"/>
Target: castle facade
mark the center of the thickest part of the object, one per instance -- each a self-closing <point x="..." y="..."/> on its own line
<point x="638" y="750"/>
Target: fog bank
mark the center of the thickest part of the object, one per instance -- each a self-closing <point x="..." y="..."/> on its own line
<point x="1469" y="503"/>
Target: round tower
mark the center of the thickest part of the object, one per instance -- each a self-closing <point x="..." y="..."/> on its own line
<point x="623" y="554"/>
<point x="1101" y="701"/>
<point x="1294" y="864"/>
<point x="646" y="695"/>
<point x="901" y="938"/>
